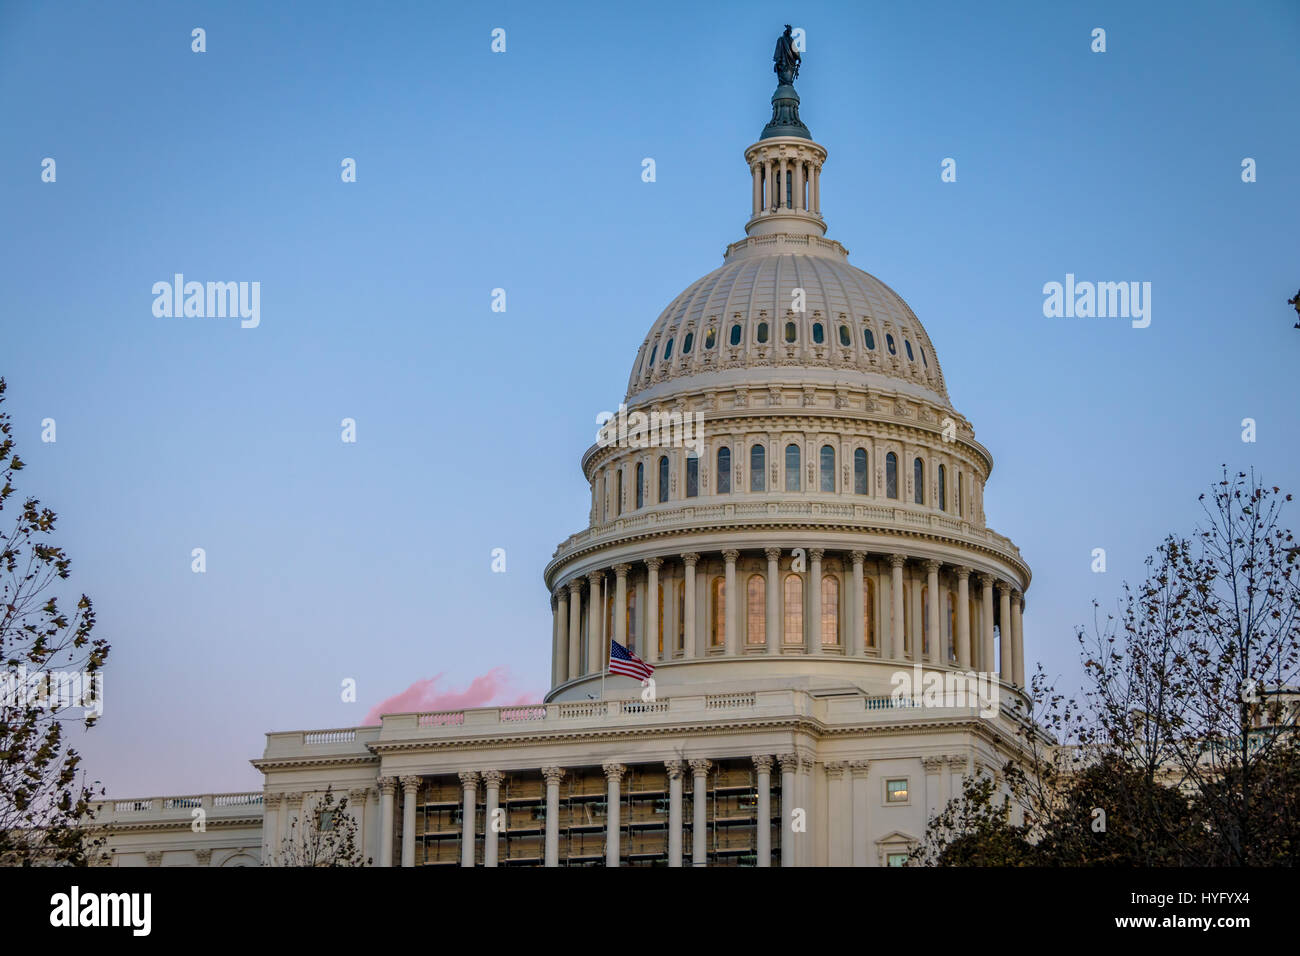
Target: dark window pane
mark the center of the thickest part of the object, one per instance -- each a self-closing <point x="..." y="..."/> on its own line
<point x="668" y="350"/>
<point x="828" y="468"/>
<point x="791" y="333"/>
<point x="735" y="335"/>
<point x="869" y="339"/>
<point x="908" y="346"/>
<point x="663" y="477"/>
<point x="860" y="472"/>
<point x="762" y="333"/>
<point x="640" y="485"/>
<point x="791" y="467"/>
<point x="918" y="482"/>
<point x="724" y="471"/>
<point x="692" y="476"/>
<point x="757" y="468"/>
<point x="687" y="343"/>
<point x="891" y="475"/>
<point x="889" y="341"/>
<point x="819" y="334"/>
<point x="845" y="339"/>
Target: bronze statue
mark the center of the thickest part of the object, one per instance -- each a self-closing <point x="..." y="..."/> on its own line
<point x="786" y="58"/>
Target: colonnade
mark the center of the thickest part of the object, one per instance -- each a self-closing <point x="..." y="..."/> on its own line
<point x="771" y="175"/>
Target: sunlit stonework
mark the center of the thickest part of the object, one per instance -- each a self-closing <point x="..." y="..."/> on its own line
<point x="797" y="585"/>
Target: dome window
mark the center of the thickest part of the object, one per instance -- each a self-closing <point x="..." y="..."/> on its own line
<point x="791" y="333"/>
<point x="891" y="475"/>
<point x="735" y="335"/>
<point x="668" y="350"/>
<point x="845" y="339"/>
<point x="923" y="359"/>
<point x="908" y="345"/>
<point x="652" y="356"/>
<point x="710" y="337"/>
<point x="860" y="471"/>
<point x="828" y="468"/>
<point x="889" y="341"/>
<point x="869" y="339"/>
<point x="724" y="471"/>
<point x="762" y="333"/>
<point x="918" y="481"/>
<point x="687" y="343"/>
<point x="757" y="464"/>
<point x="791" y="467"/>
<point x="819" y="334"/>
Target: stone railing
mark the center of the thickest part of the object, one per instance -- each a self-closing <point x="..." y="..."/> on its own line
<point x="143" y="809"/>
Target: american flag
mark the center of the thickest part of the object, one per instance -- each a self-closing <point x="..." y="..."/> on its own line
<point x="623" y="661"/>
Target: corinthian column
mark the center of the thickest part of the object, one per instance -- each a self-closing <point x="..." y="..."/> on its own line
<point x="387" y="788"/>
<point x="763" y="827"/>
<point x="896" y="605"/>
<point x="613" y="778"/>
<point x="1017" y="640"/>
<point x="575" y="628"/>
<point x="651" y="651"/>
<point x="1005" y="669"/>
<point x="938" y="653"/>
<point x="813" y="630"/>
<point x="857" y="624"/>
<point x="688" y="631"/>
<point x="674" y="770"/>
<point x="700" y="804"/>
<point x="986" y="629"/>
<point x="409" y="787"/>
<point x="561" y="635"/>
<point x="492" y="785"/>
<point x="620" y="602"/>
<point x="595" y="625"/>
<point x="773" y="601"/>
<point x="469" y="784"/>
<point x="963" y="618"/>
<point x="552" y="776"/>
<point x="732" y="647"/>
<point x="789" y="801"/>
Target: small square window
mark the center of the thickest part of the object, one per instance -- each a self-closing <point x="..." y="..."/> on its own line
<point x="896" y="791"/>
<point x="896" y="859"/>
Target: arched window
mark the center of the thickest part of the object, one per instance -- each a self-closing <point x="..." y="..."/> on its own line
<point x="889" y="341"/>
<point x="687" y="343"/>
<point x="692" y="476"/>
<point x="718" y="628"/>
<point x="918" y="481"/>
<point x="791" y="467"/>
<point x="943" y="488"/>
<point x="793" y="609"/>
<point x="640" y="485"/>
<point x="762" y="333"/>
<point x="860" y="471"/>
<point x="735" y="335"/>
<point x="668" y="350"/>
<point x="869" y="613"/>
<point x="819" y="334"/>
<point x="830" y="610"/>
<point x="828" y="468"/>
<point x="663" y="478"/>
<point x="791" y="332"/>
<point x="845" y="339"/>
<point x="868" y="338"/>
<point x="891" y="475"/>
<point x="756" y="610"/>
<point x="757" y="468"/>
<point x="724" y="471"/>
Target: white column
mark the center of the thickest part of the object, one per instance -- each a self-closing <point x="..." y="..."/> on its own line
<point x="781" y="183"/>
<point x="270" y="828"/>
<point x="758" y="187"/>
<point x="857" y="624"/>
<point x="838" y="841"/>
<point x="552" y="776"/>
<point x="1005" y="669"/>
<point x="797" y="198"/>
<point x="963" y="618"/>
<point x="813" y="628"/>
<point x="575" y="628"/>
<point x="613" y="795"/>
<point x="789" y="801"/>
<point x="620" y="602"/>
<point x="410" y="785"/>
<point x="700" y="804"/>
<point x="934" y="770"/>
<point x="896" y="605"/>
<point x="817" y="190"/>
<point x="773" y="600"/>
<point x="674" y="770"/>
<point x="651" y="652"/>
<point x="387" y="787"/>
<point x="469" y="785"/>
<point x="595" y="624"/>
<point x="807" y="845"/>
<point x="1017" y="639"/>
<point x="688" y="639"/>
<point x="561" y="635"/>
<point x="861" y="812"/>
<point x="732" y="646"/>
<point x="763" y="826"/>
<point x="491" y="835"/>
<point x="986" y="629"/>
<point x="918" y="621"/>
<point x="938" y="652"/>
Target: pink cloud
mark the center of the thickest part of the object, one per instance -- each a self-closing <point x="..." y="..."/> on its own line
<point x="490" y="689"/>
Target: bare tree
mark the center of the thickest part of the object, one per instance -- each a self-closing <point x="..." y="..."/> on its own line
<point x="327" y="836"/>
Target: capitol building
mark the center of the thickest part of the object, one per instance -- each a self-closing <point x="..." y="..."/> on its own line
<point x="798" y="571"/>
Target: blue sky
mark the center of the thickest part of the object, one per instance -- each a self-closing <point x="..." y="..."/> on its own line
<point x="522" y="171"/>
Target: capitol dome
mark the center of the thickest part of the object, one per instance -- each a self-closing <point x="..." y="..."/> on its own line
<point x="787" y="496"/>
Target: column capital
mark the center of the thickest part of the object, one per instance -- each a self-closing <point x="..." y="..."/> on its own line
<point x="468" y="779"/>
<point x="387" y="785"/>
<point x="594" y="577"/>
<point x="153" y="857"/>
<point x="700" y="767"/>
<point x="613" y="771"/>
<point x="1018" y="595"/>
<point x="858" y="556"/>
<point x="816" y="554"/>
<point x="956" y="761"/>
<point x="897" y="560"/>
<point x="1004" y="588"/>
<point x="773" y="554"/>
<point x="932" y="764"/>
<point x="763" y="763"/>
<point x="836" y="768"/>
<point x="654" y="564"/>
<point x="859" y="768"/>
<point x="491" y="778"/>
<point x="553" y="774"/>
<point x="690" y="558"/>
<point x="358" y="795"/>
<point x="674" y="769"/>
<point x="621" y="570"/>
<point x="560" y="592"/>
<point x="986" y="580"/>
<point x="931" y="565"/>
<point x="271" y="801"/>
<point x="203" y="857"/>
<point x="789" y="762"/>
<point x="730" y="555"/>
<point x="575" y="586"/>
<point x="410" y="783"/>
<point x="963" y="572"/>
<point x="294" y="799"/>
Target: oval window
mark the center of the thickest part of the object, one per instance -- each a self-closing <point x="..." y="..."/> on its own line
<point x="735" y="335"/>
<point x="889" y="341"/>
<point x="709" y="338"/>
<point x="819" y="336"/>
<point x="652" y="356"/>
<point x="869" y="339"/>
<point x="668" y="350"/>
<point x="762" y="333"/>
<point x="687" y="343"/>
<point x="923" y="361"/>
<point x="908" y="345"/>
<point x="791" y="333"/>
<point x="845" y="339"/>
